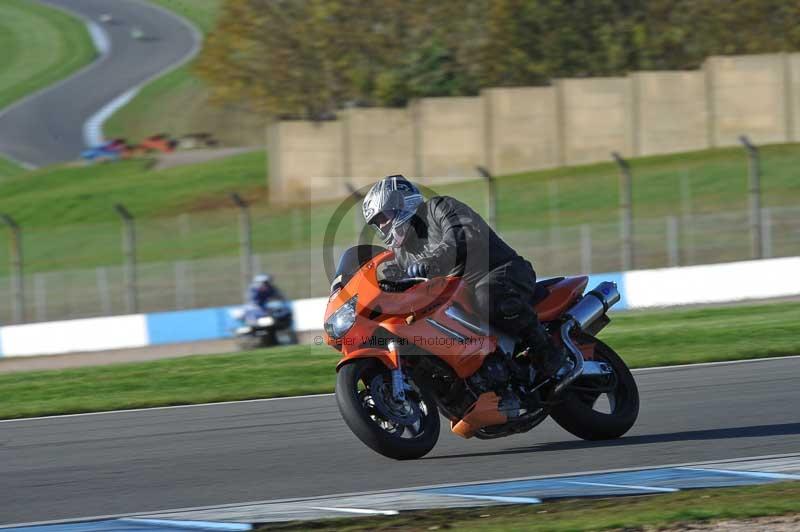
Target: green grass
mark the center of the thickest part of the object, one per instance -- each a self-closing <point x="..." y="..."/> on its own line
<point x="40" y="45"/>
<point x="9" y="169"/>
<point x="643" y="339"/>
<point x="619" y="513"/>
<point x="202" y="13"/>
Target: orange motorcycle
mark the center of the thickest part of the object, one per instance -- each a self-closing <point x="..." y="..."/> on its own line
<point x="414" y="347"/>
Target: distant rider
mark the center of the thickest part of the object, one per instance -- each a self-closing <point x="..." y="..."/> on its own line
<point x="443" y="236"/>
<point x="262" y="291"/>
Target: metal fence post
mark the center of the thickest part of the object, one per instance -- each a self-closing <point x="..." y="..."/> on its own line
<point x="17" y="281"/>
<point x="245" y="240"/>
<point x="586" y="248"/>
<point x="129" y="251"/>
<point x="673" y="241"/>
<point x="103" y="293"/>
<point x="766" y="232"/>
<point x="754" y="169"/>
<point x="39" y="298"/>
<point x="491" y="196"/>
<point x="625" y="210"/>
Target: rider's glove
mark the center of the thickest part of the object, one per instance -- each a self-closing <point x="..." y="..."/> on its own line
<point x="417" y="269"/>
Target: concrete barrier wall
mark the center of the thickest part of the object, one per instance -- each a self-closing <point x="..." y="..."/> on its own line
<point x="792" y="66"/>
<point x="451" y="138"/>
<point x="748" y="94"/>
<point x="306" y="160"/>
<point x="715" y="283"/>
<point x="574" y="121"/>
<point x="597" y="119"/>
<point x="380" y="141"/>
<point x="521" y="129"/>
<point x="670" y="112"/>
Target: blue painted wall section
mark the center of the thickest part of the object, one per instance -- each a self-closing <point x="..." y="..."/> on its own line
<point x="189" y="325"/>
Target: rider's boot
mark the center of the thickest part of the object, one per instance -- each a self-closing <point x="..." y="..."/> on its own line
<point x="551" y="357"/>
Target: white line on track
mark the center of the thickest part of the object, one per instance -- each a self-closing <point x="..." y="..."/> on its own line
<point x="497" y="498"/>
<point x="756" y="474"/>
<point x="625" y="486"/>
<point x="293" y="397"/>
<point x="355" y="510"/>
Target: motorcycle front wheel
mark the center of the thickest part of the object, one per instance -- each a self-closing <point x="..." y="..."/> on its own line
<point x="604" y="411"/>
<point x="403" y="430"/>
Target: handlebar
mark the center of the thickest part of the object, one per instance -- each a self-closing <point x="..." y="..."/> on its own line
<point x="403" y="283"/>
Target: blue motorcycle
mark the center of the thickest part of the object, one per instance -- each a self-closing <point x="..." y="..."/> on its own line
<point x="264" y="327"/>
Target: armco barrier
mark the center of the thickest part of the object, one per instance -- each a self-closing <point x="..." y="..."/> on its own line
<point x="639" y="289"/>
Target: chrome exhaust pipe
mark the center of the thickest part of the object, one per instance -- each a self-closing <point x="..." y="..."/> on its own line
<point x="577" y="356"/>
<point x="593" y="305"/>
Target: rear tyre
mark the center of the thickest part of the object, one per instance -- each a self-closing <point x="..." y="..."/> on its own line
<point x="579" y="413"/>
<point x="403" y="431"/>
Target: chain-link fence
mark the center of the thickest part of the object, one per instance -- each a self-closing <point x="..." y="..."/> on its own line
<point x="684" y="210"/>
<point x="559" y="250"/>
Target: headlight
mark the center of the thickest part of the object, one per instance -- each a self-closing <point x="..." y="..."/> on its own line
<point x="340" y="321"/>
<point x="265" y="321"/>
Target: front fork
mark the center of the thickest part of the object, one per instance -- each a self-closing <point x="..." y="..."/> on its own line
<point x="398" y="383"/>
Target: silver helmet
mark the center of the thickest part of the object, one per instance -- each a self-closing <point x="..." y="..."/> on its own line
<point x="389" y="206"/>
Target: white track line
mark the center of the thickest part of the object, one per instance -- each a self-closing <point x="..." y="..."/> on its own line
<point x="355" y="510"/>
<point x="756" y="474"/>
<point x="223" y="403"/>
<point x="625" y="486"/>
<point x="497" y="498"/>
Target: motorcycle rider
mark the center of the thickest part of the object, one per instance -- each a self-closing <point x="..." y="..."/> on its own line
<point x="443" y="236"/>
<point x="262" y="291"/>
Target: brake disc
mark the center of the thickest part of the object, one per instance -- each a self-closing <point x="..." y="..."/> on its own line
<point x="401" y="412"/>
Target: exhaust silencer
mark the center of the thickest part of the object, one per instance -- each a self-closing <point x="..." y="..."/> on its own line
<point x="594" y="304"/>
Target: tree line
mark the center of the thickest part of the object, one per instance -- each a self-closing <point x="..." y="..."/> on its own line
<point x="308" y="58"/>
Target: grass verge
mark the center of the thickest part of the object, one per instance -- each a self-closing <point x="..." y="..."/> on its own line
<point x="643" y="339"/>
<point x="40" y="45"/>
<point x="625" y="513"/>
<point x="9" y="169"/>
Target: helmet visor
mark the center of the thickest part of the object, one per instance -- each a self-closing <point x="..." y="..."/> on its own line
<point x="382" y="221"/>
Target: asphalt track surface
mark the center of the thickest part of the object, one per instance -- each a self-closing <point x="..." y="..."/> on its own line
<point x="149" y="460"/>
<point x="47" y="127"/>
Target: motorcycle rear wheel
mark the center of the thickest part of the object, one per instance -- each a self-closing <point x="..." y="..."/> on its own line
<point x="379" y="429"/>
<point x="577" y="413"/>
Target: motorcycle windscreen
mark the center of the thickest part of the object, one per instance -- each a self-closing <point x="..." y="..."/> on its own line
<point x="351" y="261"/>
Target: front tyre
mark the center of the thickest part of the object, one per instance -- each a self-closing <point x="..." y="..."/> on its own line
<point x="400" y="430"/>
<point x="600" y="411"/>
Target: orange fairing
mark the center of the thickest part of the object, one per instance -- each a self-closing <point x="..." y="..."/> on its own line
<point x="417" y="317"/>
<point x="562" y="295"/>
<point x="485" y="412"/>
<point x="387" y="357"/>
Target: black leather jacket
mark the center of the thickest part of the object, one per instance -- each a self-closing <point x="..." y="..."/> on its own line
<point x="452" y="239"/>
